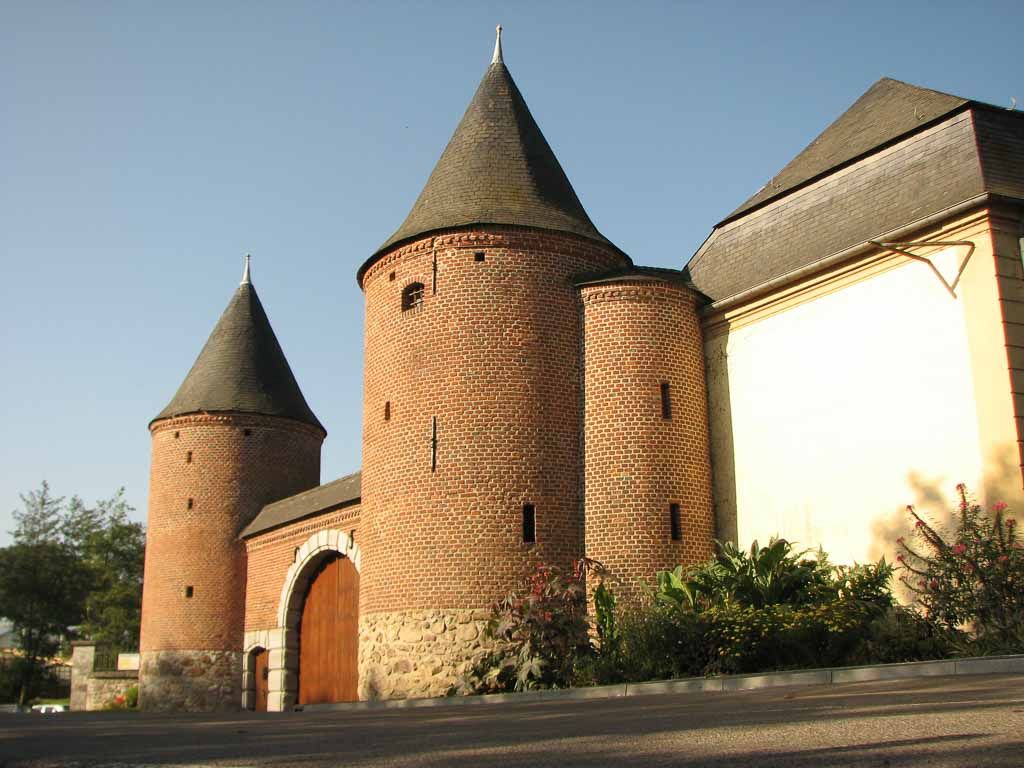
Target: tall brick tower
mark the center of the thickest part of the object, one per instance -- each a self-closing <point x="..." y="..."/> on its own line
<point x="237" y="435"/>
<point x="472" y="428"/>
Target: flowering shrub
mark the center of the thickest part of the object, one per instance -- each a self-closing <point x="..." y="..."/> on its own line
<point x="971" y="577"/>
<point x="539" y="633"/>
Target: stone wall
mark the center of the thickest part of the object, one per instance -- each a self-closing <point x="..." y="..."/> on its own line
<point x="416" y="654"/>
<point x="190" y="681"/>
<point x="104" y="687"/>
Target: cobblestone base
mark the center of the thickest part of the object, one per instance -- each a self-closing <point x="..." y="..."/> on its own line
<point x="414" y="654"/>
<point x="190" y="681"/>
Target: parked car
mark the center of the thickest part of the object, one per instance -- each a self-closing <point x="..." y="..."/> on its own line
<point x="48" y="708"/>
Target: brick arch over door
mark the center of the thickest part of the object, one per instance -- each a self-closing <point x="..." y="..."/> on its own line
<point x="284" y="661"/>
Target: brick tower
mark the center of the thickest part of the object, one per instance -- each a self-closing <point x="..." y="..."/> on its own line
<point x="648" y="468"/>
<point x="472" y="427"/>
<point x="237" y="435"/>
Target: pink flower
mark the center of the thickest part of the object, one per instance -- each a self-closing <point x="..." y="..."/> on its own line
<point x="959" y="549"/>
<point x="899" y="558"/>
<point x="919" y="524"/>
<point x="933" y="584"/>
<point x="899" y="540"/>
<point x="999" y="506"/>
<point x="1002" y="558"/>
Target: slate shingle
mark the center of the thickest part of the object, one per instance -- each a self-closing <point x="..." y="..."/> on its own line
<point x="242" y="369"/>
<point x="497" y="169"/>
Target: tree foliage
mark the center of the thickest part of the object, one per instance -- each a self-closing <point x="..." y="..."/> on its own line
<point x="73" y="570"/>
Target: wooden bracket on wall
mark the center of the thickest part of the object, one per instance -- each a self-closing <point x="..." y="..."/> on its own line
<point x="901" y="249"/>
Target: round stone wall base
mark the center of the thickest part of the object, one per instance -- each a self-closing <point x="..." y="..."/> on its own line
<point x="190" y="681"/>
<point x="417" y="654"/>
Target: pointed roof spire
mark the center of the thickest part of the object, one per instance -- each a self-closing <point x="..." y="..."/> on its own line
<point x="496" y="59"/>
<point x="242" y="368"/>
<point x="246" y="279"/>
<point x="497" y="169"/>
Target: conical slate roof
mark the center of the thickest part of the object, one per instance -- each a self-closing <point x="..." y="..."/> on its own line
<point x="497" y="169"/>
<point x="242" y="368"/>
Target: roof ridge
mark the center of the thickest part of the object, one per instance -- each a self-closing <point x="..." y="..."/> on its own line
<point x="876" y="118"/>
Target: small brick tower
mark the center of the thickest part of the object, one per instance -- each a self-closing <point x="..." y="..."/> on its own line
<point x="648" y="466"/>
<point x="237" y="435"/>
<point x="472" y="428"/>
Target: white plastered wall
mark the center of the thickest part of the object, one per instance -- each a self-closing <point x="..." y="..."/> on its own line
<point x="828" y="417"/>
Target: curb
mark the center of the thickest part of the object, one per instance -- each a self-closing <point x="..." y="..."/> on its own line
<point x="976" y="665"/>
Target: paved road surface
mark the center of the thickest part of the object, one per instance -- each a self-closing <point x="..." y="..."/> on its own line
<point x="949" y="721"/>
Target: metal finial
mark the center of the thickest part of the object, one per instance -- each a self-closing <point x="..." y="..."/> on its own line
<point x="245" y="275"/>
<point x="496" y="59"/>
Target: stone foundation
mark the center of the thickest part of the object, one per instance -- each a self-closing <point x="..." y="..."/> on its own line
<point x="418" y="654"/>
<point x="190" y="681"/>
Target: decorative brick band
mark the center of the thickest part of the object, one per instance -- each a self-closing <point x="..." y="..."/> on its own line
<point x="233" y="419"/>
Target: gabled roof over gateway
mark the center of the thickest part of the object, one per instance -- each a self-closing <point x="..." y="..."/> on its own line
<point x="342" y="492"/>
<point x="497" y="169"/>
<point x="242" y="368"/>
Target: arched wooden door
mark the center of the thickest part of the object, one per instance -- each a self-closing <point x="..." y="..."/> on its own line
<point x="261" y="668"/>
<point x="329" y="634"/>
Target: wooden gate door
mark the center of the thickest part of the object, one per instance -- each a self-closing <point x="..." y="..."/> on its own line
<point x="261" y="667"/>
<point x="329" y="634"/>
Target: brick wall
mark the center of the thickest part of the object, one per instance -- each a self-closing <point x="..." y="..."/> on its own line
<point x="229" y="465"/>
<point x="493" y="353"/>
<point x="271" y="554"/>
<point x="640" y="334"/>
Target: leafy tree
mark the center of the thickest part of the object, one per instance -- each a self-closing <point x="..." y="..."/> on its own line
<point x="41" y="519"/>
<point x="43" y="588"/>
<point x="71" y="565"/>
<point x="113" y="548"/>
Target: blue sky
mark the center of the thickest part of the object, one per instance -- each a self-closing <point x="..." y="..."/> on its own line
<point x="145" y="147"/>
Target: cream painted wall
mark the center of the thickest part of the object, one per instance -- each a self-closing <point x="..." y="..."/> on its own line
<point x="830" y="416"/>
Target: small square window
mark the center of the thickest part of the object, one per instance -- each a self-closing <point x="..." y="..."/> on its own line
<point x="391" y="277"/>
<point x="479" y="256"/>
<point x="177" y="435"/>
<point x="387" y="411"/>
<point x="189" y="591"/>
<point x="412" y="296"/>
<point x="190" y="504"/>
<point x="188" y="457"/>
<point x="246" y="432"/>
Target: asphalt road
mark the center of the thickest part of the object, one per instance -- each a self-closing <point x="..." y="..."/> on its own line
<point x="943" y="721"/>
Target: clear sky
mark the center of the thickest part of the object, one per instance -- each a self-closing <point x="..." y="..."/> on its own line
<point x="145" y="147"/>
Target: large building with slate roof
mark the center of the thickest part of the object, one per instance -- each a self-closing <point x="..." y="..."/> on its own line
<point x="849" y="339"/>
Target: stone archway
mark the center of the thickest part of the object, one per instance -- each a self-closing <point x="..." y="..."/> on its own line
<point x="284" y="659"/>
